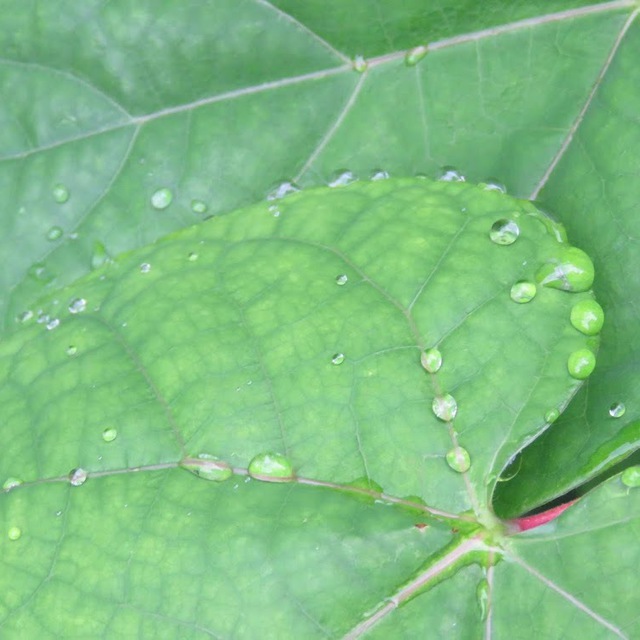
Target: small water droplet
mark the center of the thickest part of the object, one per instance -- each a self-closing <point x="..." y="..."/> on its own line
<point x="523" y="292"/>
<point x="54" y="233"/>
<point x="431" y="360"/>
<point x="445" y="407"/>
<point x="551" y="416"/>
<point x="274" y="211"/>
<point x="416" y="54"/>
<point x="587" y="317"/>
<point x="570" y="270"/>
<point x="145" y="267"/>
<point x="99" y="255"/>
<point x="11" y="483"/>
<point x="617" y="410"/>
<point x="581" y="364"/>
<point x="38" y="271"/>
<point x="52" y="324"/>
<point x="208" y="467"/>
<point x="60" y="193"/>
<point x="198" y="206"/>
<point x="25" y="316"/>
<point x="78" y="476"/>
<point x="338" y="358"/>
<point x="491" y="184"/>
<point x="109" y="434"/>
<point x="482" y="598"/>
<point x="342" y="178"/>
<point x="162" y="198"/>
<point x="14" y="533"/>
<point x="504" y="232"/>
<point x="379" y="174"/>
<point x="192" y="256"/>
<point x="342" y="279"/>
<point x="271" y="466"/>
<point x="458" y="459"/>
<point x="72" y="350"/>
<point x="631" y="476"/>
<point x="450" y="174"/>
<point x="360" y="64"/>
<point x="78" y="305"/>
<point x="282" y="190"/>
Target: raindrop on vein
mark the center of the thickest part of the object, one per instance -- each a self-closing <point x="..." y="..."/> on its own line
<point x="445" y="407"/>
<point x="78" y="477"/>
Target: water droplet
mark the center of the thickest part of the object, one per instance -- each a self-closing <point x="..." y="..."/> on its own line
<point x="208" y="467"/>
<point x="490" y="184"/>
<point x="72" y="350"/>
<point x="55" y="233"/>
<point x="78" y="305"/>
<point x="109" y="434"/>
<point x="342" y="178"/>
<point x="25" y="316"/>
<point x="587" y="317"/>
<point x="504" y="232"/>
<point x="523" y="292"/>
<point x="459" y="459"/>
<point x="338" y="358"/>
<point x="162" y="198"/>
<point x="445" y="407"/>
<point x="198" y="206"/>
<point x="360" y="64"/>
<point x="551" y="416"/>
<point x="617" y="410"/>
<point x="60" y="193"/>
<point x="450" y="174"/>
<point x="415" y="55"/>
<point x="282" y="190"/>
<point x="14" y="533"/>
<point x="145" y="267"/>
<point x="271" y="466"/>
<point x="274" y="211"/>
<point x="631" y="476"/>
<point x="193" y="256"/>
<point x="52" y="324"/>
<point x="379" y="174"/>
<point x="482" y="598"/>
<point x="99" y="255"/>
<point x="581" y="364"/>
<point x="342" y="279"/>
<point x="38" y="271"/>
<point x="77" y="477"/>
<point x="431" y="360"/>
<point x="571" y="270"/>
<point x="11" y="483"/>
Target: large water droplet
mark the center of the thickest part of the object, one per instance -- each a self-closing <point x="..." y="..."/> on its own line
<point x="109" y="434"/>
<point x="283" y="189"/>
<point x="11" y="483"/>
<point x="99" y="255"/>
<point x="415" y="55"/>
<point x="445" y="407"/>
<point x="338" y="358"/>
<point x="482" y="598"/>
<point x="504" y="232"/>
<point x="571" y="270"/>
<point x="581" y="363"/>
<point x="60" y="193"/>
<point x="342" y="279"/>
<point x="14" y="533"/>
<point x="631" y="476"/>
<point x="522" y="292"/>
<point x="458" y="459"/>
<point x="208" y="467"/>
<point x="54" y="233"/>
<point x="587" y="317"/>
<point x="360" y="64"/>
<point x="271" y="466"/>
<point x="450" y="174"/>
<point x="431" y="360"/>
<point x="342" y="178"/>
<point x="78" y="305"/>
<point x="617" y="410"/>
<point x="198" y="206"/>
<point x="162" y="198"/>
<point x="145" y="267"/>
<point x="551" y="416"/>
<point x="78" y="476"/>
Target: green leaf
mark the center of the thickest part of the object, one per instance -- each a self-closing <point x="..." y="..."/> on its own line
<point x="123" y="124"/>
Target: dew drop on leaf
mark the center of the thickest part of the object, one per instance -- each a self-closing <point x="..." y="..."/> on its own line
<point x="338" y="358"/>
<point x="52" y="324"/>
<point x="193" y="256"/>
<point x="78" y="305"/>
<point x="571" y="270"/>
<point x="282" y="190"/>
<point x="445" y="407"/>
<point x="99" y="255"/>
<point x="109" y="434"/>
<point x="271" y="466"/>
<point x="208" y="467"/>
<point x="342" y="178"/>
<point x="631" y="476"/>
<point x="458" y="459"/>
<point x="415" y="55"/>
<point x="551" y="416"/>
<point x="162" y="198"/>
<point x="25" y="316"/>
<point x="431" y="360"/>
<point x="77" y="477"/>
<point x="342" y="279"/>
<point x="360" y="64"/>
<point x="450" y="174"/>
<point x="379" y="174"/>
<point x="198" y="206"/>
<point x="581" y="364"/>
<point x="587" y="317"/>
<point x="54" y="233"/>
<point x="60" y="193"/>
<point x="71" y="350"/>
<point x="10" y="483"/>
<point x="38" y="271"/>
<point x="14" y="533"/>
<point x="617" y="410"/>
<point x="504" y="232"/>
<point x="145" y="267"/>
<point x="490" y="184"/>
<point x="523" y="292"/>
